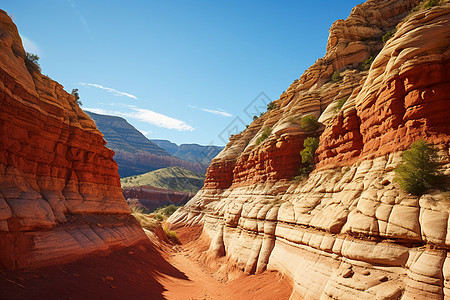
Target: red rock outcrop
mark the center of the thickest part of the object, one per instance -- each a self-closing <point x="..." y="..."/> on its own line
<point x="347" y="231"/>
<point x="60" y="194"/>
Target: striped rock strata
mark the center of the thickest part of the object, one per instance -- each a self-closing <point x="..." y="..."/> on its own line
<point x="347" y="231"/>
<point x="60" y="195"/>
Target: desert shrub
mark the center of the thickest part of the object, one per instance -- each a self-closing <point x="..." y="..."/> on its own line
<point x="32" y="62"/>
<point x="367" y="63"/>
<point x="336" y="76"/>
<point x="271" y="105"/>
<point x="255" y="118"/>
<point x="264" y="135"/>
<point x="430" y="3"/>
<point x="309" y="123"/>
<point x="158" y="217"/>
<point x="340" y="103"/>
<point x="309" y="151"/>
<point x="171" y="235"/>
<point x="145" y="220"/>
<point x="388" y="35"/>
<point x="77" y="96"/>
<point x="419" y="169"/>
<point x="168" y="210"/>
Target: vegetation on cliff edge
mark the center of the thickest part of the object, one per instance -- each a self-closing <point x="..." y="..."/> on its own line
<point x="419" y="169"/>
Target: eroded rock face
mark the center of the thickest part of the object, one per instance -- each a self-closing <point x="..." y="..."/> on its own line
<point x="347" y="231"/>
<point x="60" y="194"/>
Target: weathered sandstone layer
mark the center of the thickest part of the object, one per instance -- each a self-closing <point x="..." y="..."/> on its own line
<point x="347" y="231"/>
<point x="60" y="194"/>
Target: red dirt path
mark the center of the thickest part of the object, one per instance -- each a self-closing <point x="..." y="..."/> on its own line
<point x="141" y="272"/>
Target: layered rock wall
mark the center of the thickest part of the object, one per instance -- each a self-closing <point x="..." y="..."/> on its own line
<point x="60" y="193"/>
<point x="347" y="231"/>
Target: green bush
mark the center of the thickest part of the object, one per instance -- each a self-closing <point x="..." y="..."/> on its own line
<point x="271" y="106"/>
<point x="430" y="3"/>
<point x="367" y="63"/>
<point x="171" y="235"/>
<point x="32" y="63"/>
<point x="388" y="35"/>
<point x="309" y="123"/>
<point x="264" y="135"/>
<point x="340" y="103"/>
<point x="419" y="169"/>
<point x="77" y="96"/>
<point x="336" y="76"/>
<point x="168" y="210"/>
<point x="158" y="217"/>
<point x="309" y="151"/>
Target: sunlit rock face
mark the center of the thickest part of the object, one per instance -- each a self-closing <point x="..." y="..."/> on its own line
<point x="347" y="231"/>
<point x="60" y="194"/>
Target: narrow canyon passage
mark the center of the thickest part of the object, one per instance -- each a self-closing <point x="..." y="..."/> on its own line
<point x="143" y="271"/>
<point x="209" y="281"/>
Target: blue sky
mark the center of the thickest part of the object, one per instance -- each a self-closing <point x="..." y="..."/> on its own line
<point x="178" y="70"/>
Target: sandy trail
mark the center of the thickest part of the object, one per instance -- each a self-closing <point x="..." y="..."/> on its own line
<point x="206" y="283"/>
<point x="200" y="284"/>
<point x="144" y="271"/>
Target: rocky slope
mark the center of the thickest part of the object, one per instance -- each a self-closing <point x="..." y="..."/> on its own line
<point x="190" y="152"/>
<point x="134" y="153"/>
<point x="347" y="231"/>
<point x="60" y="194"/>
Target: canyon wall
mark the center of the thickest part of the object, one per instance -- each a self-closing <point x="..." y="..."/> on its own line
<point x="347" y="231"/>
<point x="60" y="194"/>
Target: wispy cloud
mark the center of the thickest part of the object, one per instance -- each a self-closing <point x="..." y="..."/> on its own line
<point x="147" y="116"/>
<point x="160" y="120"/>
<point x="218" y="111"/>
<point x="111" y="90"/>
<point x="80" y="17"/>
<point x="30" y="46"/>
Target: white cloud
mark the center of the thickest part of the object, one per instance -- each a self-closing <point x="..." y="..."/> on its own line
<point x="116" y="92"/>
<point x="143" y="132"/>
<point x="147" y="116"/>
<point x="218" y="111"/>
<point x="80" y="17"/>
<point x="30" y="46"/>
<point x="160" y="120"/>
<point x="100" y="111"/>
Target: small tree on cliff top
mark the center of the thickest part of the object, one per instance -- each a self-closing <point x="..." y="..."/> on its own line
<point x="419" y="169"/>
<point x="77" y="96"/>
<point x="32" y="62"/>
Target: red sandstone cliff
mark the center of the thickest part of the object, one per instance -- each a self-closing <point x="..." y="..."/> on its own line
<point x="348" y="231"/>
<point x="60" y="195"/>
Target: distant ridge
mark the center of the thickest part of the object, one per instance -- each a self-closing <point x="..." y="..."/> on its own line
<point x="190" y="152"/>
<point x="172" y="178"/>
<point x="134" y="153"/>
